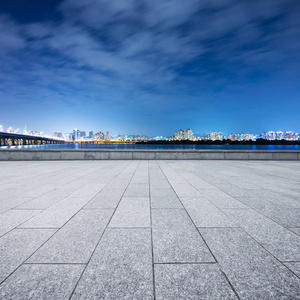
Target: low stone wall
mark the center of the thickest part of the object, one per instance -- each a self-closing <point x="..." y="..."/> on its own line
<point x="80" y="154"/>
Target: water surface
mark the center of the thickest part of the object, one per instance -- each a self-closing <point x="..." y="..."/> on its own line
<point x="159" y="147"/>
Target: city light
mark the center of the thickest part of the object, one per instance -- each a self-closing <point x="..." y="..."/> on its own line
<point x="182" y="135"/>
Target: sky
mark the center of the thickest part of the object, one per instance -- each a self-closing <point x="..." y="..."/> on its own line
<point x="150" y="66"/>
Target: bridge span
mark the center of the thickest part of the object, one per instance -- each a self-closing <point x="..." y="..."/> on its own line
<point x="14" y="139"/>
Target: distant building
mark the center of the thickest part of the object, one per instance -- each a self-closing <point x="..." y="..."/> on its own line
<point x="271" y="136"/>
<point x="289" y="135"/>
<point x="216" y="136"/>
<point x="77" y="134"/>
<point x="187" y="134"/>
<point x="58" y="134"/>
<point x="107" y="136"/>
<point x="99" y="136"/>
<point x="279" y="135"/>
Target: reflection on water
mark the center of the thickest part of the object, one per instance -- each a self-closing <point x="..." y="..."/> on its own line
<point x="158" y="147"/>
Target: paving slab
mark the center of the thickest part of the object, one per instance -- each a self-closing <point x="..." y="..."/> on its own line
<point x="191" y="281"/>
<point x="9" y="203"/>
<point x="57" y="215"/>
<point x="121" y="267"/>
<point x="132" y="212"/>
<point x="206" y="214"/>
<point x="281" y="242"/>
<point x="74" y="242"/>
<point x="258" y="260"/>
<point x="137" y="190"/>
<point x="165" y="201"/>
<point x="222" y="200"/>
<point x="107" y="198"/>
<point x="185" y="190"/>
<point x="13" y="218"/>
<point x="294" y="266"/>
<point x="253" y="272"/>
<point x="176" y="239"/>
<point x="41" y="282"/>
<point x="296" y="230"/>
<point x="17" y="245"/>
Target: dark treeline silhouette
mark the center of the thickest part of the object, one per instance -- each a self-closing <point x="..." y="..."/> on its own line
<point x="224" y="142"/>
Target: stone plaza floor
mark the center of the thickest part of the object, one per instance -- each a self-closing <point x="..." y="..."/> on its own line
<point x="150" y="230"/>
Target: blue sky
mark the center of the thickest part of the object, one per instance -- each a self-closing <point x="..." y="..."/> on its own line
<point x="150" y="66"/>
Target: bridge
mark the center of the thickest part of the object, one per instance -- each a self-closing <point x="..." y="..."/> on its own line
<point x="13" y="139"/>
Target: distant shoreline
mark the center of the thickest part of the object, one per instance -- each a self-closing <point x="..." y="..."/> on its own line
<point x="223" y="142"/>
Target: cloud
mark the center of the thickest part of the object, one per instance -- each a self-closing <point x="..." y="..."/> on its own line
<point x="148" y="49"/>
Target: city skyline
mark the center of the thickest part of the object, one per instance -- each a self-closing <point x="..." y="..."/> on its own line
<point x="150" y="66"/>
<point x="186" y="134"/>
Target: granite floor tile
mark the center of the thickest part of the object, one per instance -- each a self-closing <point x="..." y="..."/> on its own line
<point x="13" y="218"/>
<point x="9" y="203"/>
<point x="296" y="230"/>
<point x="88" y="191"/>
<point x="206" y="214"/>
<point x="234" y="191"/>
<point x="176" y="239"/>
<point x="121" y="267"/>
<point x="57" y="215"/>
<point x="42" y="202"/>
<point x="132" y="212"/>
<point x="17" y="245"/>
<point x="281" y="242"/>
<point x="137" y="190"/>
<point x="78" y="198"/>
<point x="41" y="282"/>
<point x="253" y="272"/>
<point x="186" y="190"/>
<point x="191" y="281"/>
<point x="165" y="201"/>
<point x="294" y="266"/>
<point x="74" y="242"/>
<point x="107" y="198"/>
<point x="162" y="191"/>
<point x="285" y="217"/>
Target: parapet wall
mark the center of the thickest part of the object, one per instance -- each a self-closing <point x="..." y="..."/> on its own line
<point x="80" y="154"/>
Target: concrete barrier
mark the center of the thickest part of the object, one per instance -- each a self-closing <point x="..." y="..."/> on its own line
<point x="84" y="154"/>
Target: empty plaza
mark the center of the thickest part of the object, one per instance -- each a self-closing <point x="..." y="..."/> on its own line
<point x="157" y="229"/>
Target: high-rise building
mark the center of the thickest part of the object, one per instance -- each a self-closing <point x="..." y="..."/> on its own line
<point x="99" y="136"/>
<point x="77" y="134"/>
<point x="219" y="136"/>
<point x="190" y="134"/>
<point x="289" y="135"/>
<point x="271" y="136"/>
<point x="186" y="134"/>
<point x="279" y="135"/>
<point x="91" y="135"/>
<point x="107" y="136"/>
<point x="213" y="136"/>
